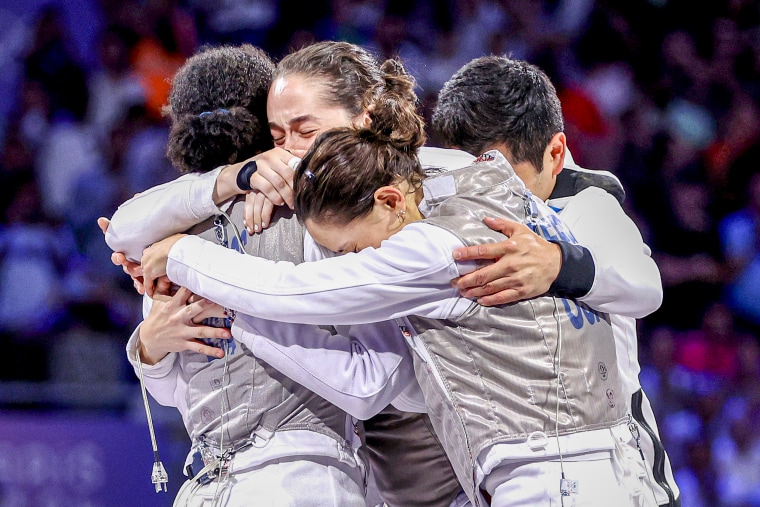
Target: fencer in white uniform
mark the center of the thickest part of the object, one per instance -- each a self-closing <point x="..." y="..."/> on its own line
<point x="410" y="274"/>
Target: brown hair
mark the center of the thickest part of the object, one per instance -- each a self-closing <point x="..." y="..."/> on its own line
<point x="349" y="77"/>
<point x="337" y="178"/>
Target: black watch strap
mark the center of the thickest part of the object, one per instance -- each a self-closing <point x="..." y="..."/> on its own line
<point x="243" y="179"/>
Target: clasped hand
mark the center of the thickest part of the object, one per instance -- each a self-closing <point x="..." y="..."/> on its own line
<point x="271" y="185"/>
<point x="153" y="262"/>
<point x="174" y="325"/>
<point x="525" y="265"/>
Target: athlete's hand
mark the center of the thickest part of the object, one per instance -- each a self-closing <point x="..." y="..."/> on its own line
<point x="258" y="212"/>
<point x="133" y="269"/>
<point x="273" y="177"/>
<point x="272" y="185"/>
<point x="173" y="325"/>
<point x="154" y="261"/>
<point x="525" y="267"/>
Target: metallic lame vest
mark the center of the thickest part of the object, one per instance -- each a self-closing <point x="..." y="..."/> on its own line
<point x="491" y="376"/>
<point x="254" y="397"/>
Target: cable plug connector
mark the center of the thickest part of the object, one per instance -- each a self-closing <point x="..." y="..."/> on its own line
<point x="567" y="486"/>
<point x="159" y="477"/>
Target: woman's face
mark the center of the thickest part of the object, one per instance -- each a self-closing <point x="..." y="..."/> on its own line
<point x="297" y="113"/>
<point x="362" y="232"/>
<point x="393" y="208"/>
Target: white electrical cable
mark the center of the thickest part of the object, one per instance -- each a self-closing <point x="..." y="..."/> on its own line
<point x="224" y="408"/>
<point x="556" y="414"/>
<point x="158" y="477"/>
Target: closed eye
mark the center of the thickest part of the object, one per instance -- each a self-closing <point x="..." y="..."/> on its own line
<point x="346" y="250"/>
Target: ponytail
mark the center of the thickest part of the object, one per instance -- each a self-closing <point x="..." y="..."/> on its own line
<point x="394" y="113"/>
<point x="201" y="142"/>
<point x="217" y="107"/>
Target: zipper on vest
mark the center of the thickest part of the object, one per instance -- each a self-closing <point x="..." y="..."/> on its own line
<point x="531" y="210"/>
<point x="413" y="339"/>
<point x="220" y="232"/>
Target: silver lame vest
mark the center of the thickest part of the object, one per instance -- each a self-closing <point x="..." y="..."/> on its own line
<point x="257" y="397"/>
<point x="490" y="376"/>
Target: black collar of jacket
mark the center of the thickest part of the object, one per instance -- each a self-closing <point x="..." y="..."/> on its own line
<point x="571" y="181"/>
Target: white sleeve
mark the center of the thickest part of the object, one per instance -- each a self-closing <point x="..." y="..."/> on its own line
<point x="410" y="274"/>
<point x="627" y="280"/>
<point x="161" y="211"/>
<point x="160" y="378"/>
<point x="444" y="158"/>
<point x="360" y="371"/>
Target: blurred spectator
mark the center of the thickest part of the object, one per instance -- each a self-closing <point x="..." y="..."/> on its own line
<point x="731" y="159"/>
<point x="657" y="367"/>
<point x="696" y="477"/>
<point x="34" y="260"/>
<point x="34" y="114"/>
<point x="51" y="64"/>
<point x="55" y="97"/>
<point x="684" y="236"/>
<point x="87" y="351"/>
<point x="296" y="24"/>
<point x="114" y="87"/>
<point x="700" y="418"/>
<point x="736" y="455"/>
<point x="16" y="166"/>
<point x="238" y="21"/>
<point x="355" y="20"/>
<point x="749" y="368"/>
<point x="14" y="42"/>
<point x="166" y="37"/>
<point x="713" y="350"/>
<point x="144" y="163"/>
<point x="740" y="241"/>
<point x="68" y="150"/>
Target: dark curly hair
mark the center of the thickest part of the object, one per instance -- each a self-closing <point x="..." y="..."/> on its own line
<point x="217" y="108"/>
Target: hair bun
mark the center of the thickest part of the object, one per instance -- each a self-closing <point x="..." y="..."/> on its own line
<point x="213" y="138"/>
<point x="397" y="80"/>
<point x="217" y="107"/>
<point x="394" y="115"/>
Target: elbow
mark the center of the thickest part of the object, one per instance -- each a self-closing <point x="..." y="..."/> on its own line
<point x="116" y="243"/>
<point x="366" y="411"/>
<point x="628" y="300"/>
<point x="357" y="406"/>
<point x="112" y="239"/>
<point x="368" y="404"/>
<point x="650" y="299"/>
<point x="649" y="292"/>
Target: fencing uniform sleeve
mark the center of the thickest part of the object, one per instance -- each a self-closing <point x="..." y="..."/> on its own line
<point x="627" y="280"/>
<point x="360" y="371"/>
<point x="162" y="211"/>
<point x="576" y="274"/>
<point x="409" y="274"/>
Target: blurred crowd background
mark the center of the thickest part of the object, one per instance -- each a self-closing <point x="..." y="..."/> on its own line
<point x="664" y="93"/>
